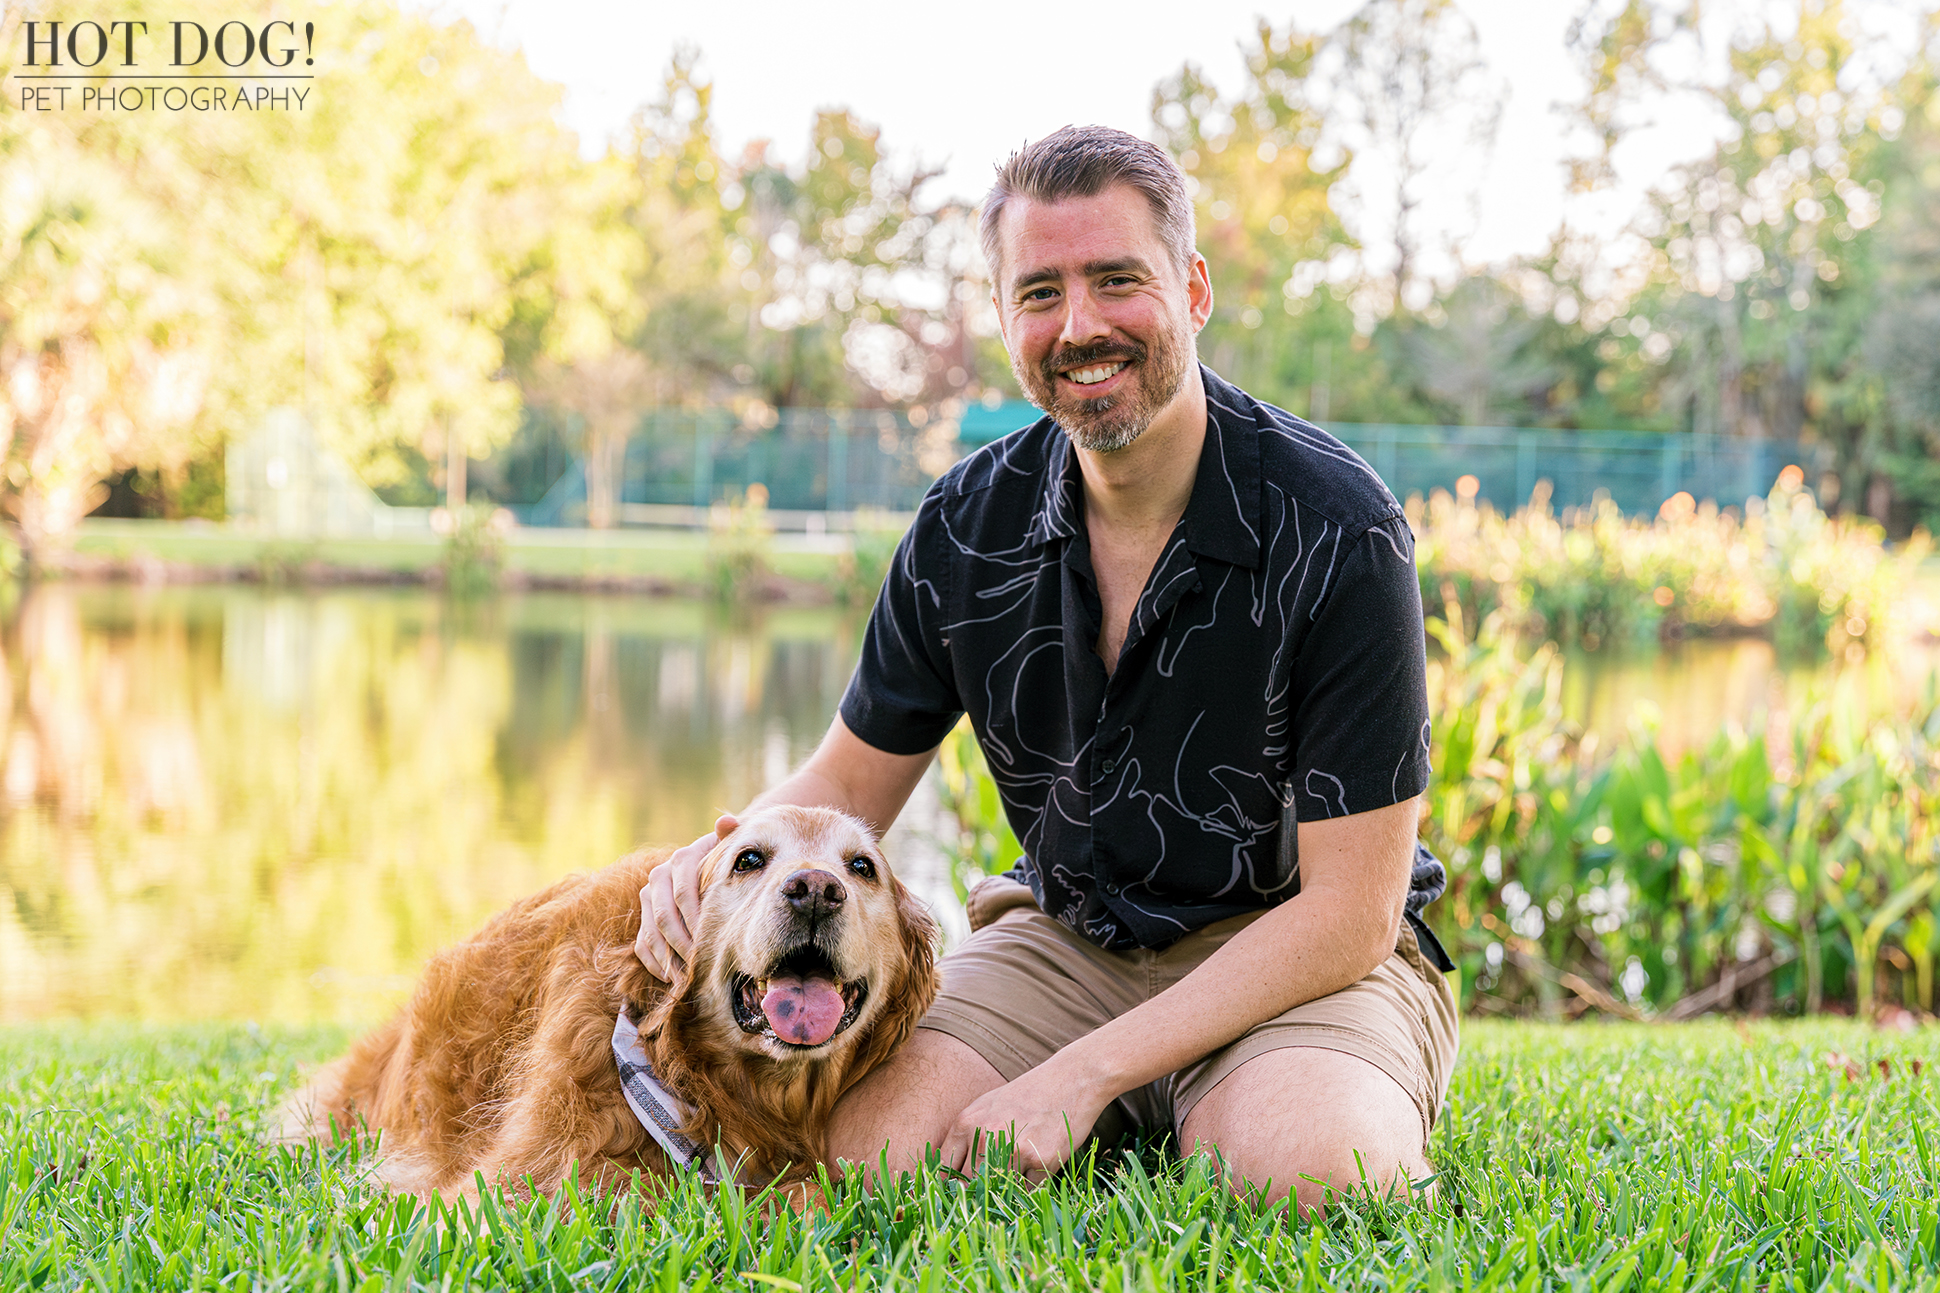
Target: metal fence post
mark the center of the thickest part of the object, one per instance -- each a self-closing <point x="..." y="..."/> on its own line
<point x="1667" y="469"/>
<point x="703" y="463"/>
<point x="838" y="496"/>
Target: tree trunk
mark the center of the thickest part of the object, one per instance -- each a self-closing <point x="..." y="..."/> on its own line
<point x="455" y="486"/>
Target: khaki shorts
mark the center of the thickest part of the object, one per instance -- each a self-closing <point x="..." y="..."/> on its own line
<point x="1023" y="985"/>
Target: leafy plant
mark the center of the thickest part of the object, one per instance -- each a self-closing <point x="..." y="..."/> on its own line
<point x="860" y="572"/>
<point x="739" y="539"/>
<point x="1583" y="877"/>
<point x="475" y="550"/>
<point x="984" y="844"/>
<point x="1595" y="577"/>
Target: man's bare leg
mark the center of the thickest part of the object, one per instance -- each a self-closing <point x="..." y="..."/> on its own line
<point x="910" y="1103"/>
<point x="1303" y="1112"/>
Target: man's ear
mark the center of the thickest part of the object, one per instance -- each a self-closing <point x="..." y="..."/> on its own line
<point x="1199" y="292"/>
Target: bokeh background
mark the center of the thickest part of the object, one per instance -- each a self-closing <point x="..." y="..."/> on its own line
<point x="444" y="485"/>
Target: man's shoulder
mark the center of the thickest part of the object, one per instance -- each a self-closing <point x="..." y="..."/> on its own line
<point x="1309" y="466"/>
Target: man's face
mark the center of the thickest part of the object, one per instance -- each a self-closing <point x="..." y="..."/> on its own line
<point x="1097" y="318"/>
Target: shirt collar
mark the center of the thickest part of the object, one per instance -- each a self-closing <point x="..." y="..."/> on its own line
<point x="1061" y="507"/>
<point x="1223" y="515"/>
<point x="1222" y="518"/>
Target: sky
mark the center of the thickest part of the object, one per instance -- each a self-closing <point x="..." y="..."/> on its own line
<point x="961" y="86"/>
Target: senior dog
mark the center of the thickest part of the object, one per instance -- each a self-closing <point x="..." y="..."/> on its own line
<point x="542" y="1042"/>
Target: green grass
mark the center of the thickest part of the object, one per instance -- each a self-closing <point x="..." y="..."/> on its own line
<point x="1591" y="1157"/>
<point x="669" y="556"/>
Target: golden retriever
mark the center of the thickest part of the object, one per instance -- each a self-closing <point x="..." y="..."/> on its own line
<point x="811" y="965"/>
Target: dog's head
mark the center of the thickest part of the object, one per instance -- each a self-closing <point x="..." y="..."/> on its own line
<point x="808" y="947"/>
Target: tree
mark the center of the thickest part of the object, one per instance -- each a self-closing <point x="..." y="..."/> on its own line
<point x="1897" y="337"/>
<point x="105" y="314"/>
<point x="1285" y="319"/>
<point x="1475" y="351"/>
<point x="1413" y="89"/>
<point x="1266" y="223"/>
<point x="173" y="275"/>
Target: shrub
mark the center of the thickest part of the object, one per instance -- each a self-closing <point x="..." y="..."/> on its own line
<point x="984" y="844"/>
<point x="1593" y="577"/>
<point x="474" y="548"/>
<point x="1799" y="877"/>
<point x="860" y="572"/>
<point x="1739" y="874"/>
<point x="739" y="537"/>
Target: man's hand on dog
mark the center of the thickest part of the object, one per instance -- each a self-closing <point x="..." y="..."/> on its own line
<point x="670" y="904"/>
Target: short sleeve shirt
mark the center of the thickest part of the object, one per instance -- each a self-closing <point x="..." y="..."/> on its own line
<point x="1274" y="670"/>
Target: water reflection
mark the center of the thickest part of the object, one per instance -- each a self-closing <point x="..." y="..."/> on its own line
<point x="1688" y="691"/>
<point x="231" y="802"/>
<point x="226" y="802"/>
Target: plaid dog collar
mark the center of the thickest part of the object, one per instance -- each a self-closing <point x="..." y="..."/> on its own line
<point x="658" y="1110"/>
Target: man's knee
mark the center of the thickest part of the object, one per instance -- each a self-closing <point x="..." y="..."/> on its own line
<point x="1311" y="1122"/>
<point x="895" y="1113"/>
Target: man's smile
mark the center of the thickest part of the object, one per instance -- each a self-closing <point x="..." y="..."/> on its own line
<point x="1097" y="373"/>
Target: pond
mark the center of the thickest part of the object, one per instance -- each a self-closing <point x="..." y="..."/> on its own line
<point x="230" y="802"/>
<point x="275" y="804"/>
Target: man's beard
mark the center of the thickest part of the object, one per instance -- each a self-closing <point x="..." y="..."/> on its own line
<point x="1111" y="422"/>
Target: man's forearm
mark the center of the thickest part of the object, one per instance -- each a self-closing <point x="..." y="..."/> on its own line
<point x="811" y="788"/>
<point x="1341" y="925"/>
<point x="1293" y="954"/>
<point x="846" y="772"/>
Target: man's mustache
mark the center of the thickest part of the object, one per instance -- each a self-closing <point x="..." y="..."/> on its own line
<point x="1104" y="352"/>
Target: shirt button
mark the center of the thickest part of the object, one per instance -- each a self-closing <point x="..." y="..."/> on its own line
<point x="1107" y="766"/>
<point x="1113" y="889"/>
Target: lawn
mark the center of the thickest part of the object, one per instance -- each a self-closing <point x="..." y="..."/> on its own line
<point x="1711" y="1155"/>
<point x="677" y="557"/>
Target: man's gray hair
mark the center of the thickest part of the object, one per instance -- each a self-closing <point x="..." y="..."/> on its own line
<point x="1082" y="162"/>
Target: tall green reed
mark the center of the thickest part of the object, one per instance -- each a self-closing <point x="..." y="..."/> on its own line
<point x="1794" y="869"/>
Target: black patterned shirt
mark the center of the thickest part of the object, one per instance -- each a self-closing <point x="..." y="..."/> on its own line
<point x="1274" y="670"/>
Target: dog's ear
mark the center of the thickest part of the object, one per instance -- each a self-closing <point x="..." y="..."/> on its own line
<point x="915" y="987"/>
<point x="665" y="1000"/>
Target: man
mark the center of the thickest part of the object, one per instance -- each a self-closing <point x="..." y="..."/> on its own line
<point x="1187" y="630"/>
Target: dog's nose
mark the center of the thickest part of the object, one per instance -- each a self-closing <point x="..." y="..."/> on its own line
<point x="814" y="893"/>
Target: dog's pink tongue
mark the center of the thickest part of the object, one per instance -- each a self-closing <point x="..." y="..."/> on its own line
<point x="804" y="1010"/>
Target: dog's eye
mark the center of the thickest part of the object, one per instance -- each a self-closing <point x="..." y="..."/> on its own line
<point x="863" y="867"/>
<point x="750" y="860"/>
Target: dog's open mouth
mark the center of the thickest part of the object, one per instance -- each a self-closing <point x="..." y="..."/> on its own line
<point x="800" y="1002"/>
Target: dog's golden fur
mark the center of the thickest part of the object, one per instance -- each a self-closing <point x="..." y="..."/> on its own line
<point x="501" y="1063"/>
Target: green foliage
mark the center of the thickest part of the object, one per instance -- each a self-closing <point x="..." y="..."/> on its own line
<point x="357" y="258"/>
<point x="1629" y="882"/>
<point x="984" y="844"/>
<point x="1633" y="882"/>
<point x="1794" y="1156"/>
<point x="739" y="543"/>
<point x="872" y="546"/>
<point x="474" y="555"/>
<point x="422" y="251"/>
<point x="1788" y="285"/>
<point x="1595" y="577"/>
<point x="286" y="561"/>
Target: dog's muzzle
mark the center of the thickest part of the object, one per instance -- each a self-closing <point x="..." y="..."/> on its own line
<point x="800" y="1002"/>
